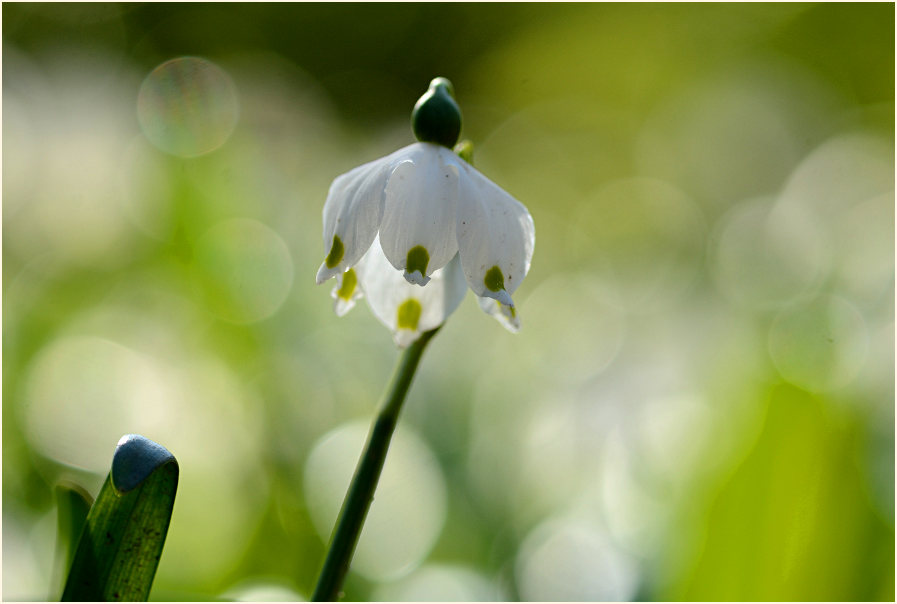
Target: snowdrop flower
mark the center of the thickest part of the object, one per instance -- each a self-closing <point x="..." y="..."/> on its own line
<point x="409" y="229"/>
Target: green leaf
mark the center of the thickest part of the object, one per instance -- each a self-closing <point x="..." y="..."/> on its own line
<point x="72" y="505"/>
<point x="122" y="542"/>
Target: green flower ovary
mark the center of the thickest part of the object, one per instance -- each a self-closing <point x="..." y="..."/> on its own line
<point x="436" y="117"/>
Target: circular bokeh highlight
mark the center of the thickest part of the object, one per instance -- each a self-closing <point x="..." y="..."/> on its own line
<point x="187" y="107"/>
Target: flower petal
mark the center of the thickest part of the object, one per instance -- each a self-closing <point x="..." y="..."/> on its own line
<point x="418" y="227"/>
<point x="346" y="292"/>
<point x="408" y="310"/>
<point x="496" y="236"/>
<point x="352" y="215"/>
<point x="506" y="315"/>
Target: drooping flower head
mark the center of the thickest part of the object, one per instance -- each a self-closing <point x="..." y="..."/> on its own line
<point x="409" y="230"/>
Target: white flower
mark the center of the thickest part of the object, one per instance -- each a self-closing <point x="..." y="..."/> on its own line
<point x="427" y="215"/>
<point x="406" y="309"/>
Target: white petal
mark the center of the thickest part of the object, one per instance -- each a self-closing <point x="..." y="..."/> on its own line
<point x="408" y="310"/>
<point x="352" y="215"/>
<point x="346" y="292"/>
<point x="418" y="227"/>
<point x="506" y="315"/>
<point x="496" y="236"/>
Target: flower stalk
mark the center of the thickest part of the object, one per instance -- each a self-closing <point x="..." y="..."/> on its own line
<point x="367" y="474"/>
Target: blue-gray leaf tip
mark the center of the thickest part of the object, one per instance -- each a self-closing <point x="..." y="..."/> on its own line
<point x="136" y="457"/>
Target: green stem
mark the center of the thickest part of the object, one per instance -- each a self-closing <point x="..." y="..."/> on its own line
<point x="364" y="482"/>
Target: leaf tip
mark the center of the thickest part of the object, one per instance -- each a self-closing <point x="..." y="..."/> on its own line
<point x="136" y="457"/>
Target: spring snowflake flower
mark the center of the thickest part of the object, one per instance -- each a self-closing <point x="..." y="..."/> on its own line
<point x="410" y="229"/>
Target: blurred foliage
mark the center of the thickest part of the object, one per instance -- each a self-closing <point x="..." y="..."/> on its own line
<point x="700" y="404"/>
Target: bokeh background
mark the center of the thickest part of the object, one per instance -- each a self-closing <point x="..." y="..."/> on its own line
<point x="700" y="404"/>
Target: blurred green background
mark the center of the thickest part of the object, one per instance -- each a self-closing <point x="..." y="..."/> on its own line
<point x="700" y="404"/>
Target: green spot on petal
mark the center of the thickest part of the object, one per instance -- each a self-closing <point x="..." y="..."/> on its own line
<point x="417" y="260"/>
<point x="350" y="280"/>
<point x="494" y="279"/>
<point x="409" y="314"/>
<point x="336" y="252"/>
